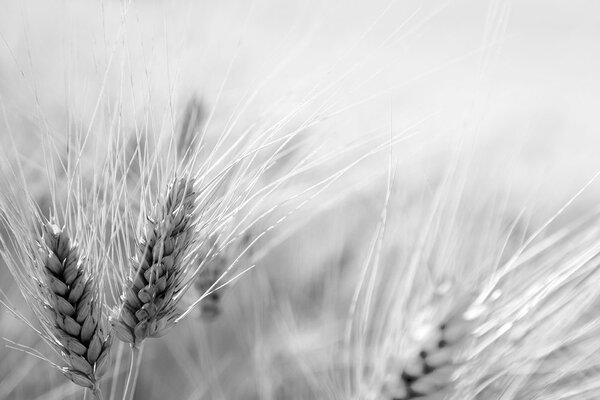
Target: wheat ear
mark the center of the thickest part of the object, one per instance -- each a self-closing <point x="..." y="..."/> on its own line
<point x="149" y="301"/>
<point x="75" y="311"/>
<point x="427" y="373"/>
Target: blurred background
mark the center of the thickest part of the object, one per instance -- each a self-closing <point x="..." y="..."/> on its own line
<point x="505" y="92"/>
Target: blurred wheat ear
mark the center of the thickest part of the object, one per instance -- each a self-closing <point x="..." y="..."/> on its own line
<point x="150" y="298"/>
<point x="428" y="372"/>
<point x="213" y="268"/>
<point x="74" y="309"/>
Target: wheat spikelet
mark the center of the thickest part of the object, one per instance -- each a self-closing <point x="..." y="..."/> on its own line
<point x="149" y="301"/>
<point x="74" y="309"/>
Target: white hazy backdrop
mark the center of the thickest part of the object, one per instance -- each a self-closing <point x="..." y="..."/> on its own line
<point x="514" y="85"/>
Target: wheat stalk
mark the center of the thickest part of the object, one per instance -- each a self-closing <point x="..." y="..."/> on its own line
<point x="152" y="292"/>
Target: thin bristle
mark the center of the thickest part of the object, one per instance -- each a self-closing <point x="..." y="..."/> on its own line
<point x="149" y="301"/>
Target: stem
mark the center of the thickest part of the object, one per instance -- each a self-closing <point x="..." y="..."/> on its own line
<point x="97" y="393"/>
<point x="137" y="367"/>
<point x="134" y="370"/>
<point x="117" y="368"/>
<point x="128" y="375"/>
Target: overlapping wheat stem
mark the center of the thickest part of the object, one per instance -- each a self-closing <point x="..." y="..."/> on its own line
<point x="76" y="320"/>
<point x="149" y="301"/>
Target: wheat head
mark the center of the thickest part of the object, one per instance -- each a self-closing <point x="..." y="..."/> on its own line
<point x="74" y="308"/>
<point x="149" y="301"/>
<point x="427" y="372"/>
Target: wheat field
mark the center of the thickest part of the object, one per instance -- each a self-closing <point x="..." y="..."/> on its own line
<point x="299" y="200"/>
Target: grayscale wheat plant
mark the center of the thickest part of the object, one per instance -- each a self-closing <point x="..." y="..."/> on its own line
<point x="60" y="274"/>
